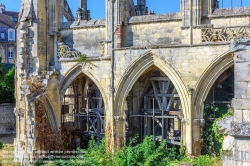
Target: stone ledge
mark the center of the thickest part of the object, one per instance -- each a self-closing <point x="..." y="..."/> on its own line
<point x="173" y="45"/>
<point x="203" y="26"/>
<point x="240" y="129"/>
<point x="83" y="24"/>
<point x="154" y="18"/>
<point x="230" y="12"/>
<point x="97" y="58"/>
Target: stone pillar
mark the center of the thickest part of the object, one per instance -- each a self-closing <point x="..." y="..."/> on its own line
<point x="191" y="16"/>
<point x="83" y="10"/>
<point x="239" y="154"/>
<point x="32" y="76"/>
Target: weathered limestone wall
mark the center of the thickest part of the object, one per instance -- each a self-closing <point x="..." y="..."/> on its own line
<point x="189" y="62"/>
<point x="7" y="119"/>
<point x="148" y="30"/>
<point x="85" y="37"/>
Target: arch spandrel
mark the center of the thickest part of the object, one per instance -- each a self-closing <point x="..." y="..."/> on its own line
<point x="208" y="78"/>
<point x="137" y="68"/>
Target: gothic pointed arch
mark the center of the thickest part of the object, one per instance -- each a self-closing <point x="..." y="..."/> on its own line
<point x="137" y="68"/>
<point x="50" y="112"/>
<point x="208" y="78"/>
<point x="75" y="72"/>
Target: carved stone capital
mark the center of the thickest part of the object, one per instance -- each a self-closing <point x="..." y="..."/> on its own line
<point x="199" y="122"/>
<point x="119" y="118"/>
<point x="185" y="121"/>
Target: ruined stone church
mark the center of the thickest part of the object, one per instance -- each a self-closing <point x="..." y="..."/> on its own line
<point x="134" y="72"/>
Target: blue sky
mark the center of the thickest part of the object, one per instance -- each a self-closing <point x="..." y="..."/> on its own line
<point x="97" y="7"/>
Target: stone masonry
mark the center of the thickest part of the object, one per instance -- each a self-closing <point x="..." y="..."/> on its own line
<point x="129" y="53"/>
<point x="7" y="119"/>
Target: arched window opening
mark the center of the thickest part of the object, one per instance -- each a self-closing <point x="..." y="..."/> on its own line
<point x="217" y="103"/>
<point x="151" y="7"/>
<point x="233" y="3"/>
<point x="153" y="107"/>
<point x="11" y="53"/>
<point x="83" y="110"/>
<point x="11" y="34"/>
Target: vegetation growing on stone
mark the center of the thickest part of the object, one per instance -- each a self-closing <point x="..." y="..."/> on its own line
<point x="82" y="59"/>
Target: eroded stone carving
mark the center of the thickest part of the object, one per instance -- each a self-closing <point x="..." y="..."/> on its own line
<point x="240" y="44"/>
<point x="240" y="129"/>
<point x="64" y="51"/>
<point x="224" y="34"/>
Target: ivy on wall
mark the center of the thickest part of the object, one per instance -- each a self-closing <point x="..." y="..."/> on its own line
<point x="217" y="106"/>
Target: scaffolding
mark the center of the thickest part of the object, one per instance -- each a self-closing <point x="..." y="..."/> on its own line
<point x="83" y="108"/>
<point x="158" y="111"/>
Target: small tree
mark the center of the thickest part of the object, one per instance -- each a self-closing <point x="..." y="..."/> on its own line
<point x="7" y="86"/>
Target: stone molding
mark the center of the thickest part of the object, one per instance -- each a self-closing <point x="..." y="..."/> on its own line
<point x="224" y="33"/>
<point x="154" y="18"/>
<point x="83" y="24"/>
<point x="199" y="122"/>
<point x="203" y="26"/>
<point x="230" y="12"/>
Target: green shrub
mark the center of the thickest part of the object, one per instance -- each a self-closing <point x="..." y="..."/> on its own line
<point x="147" y="153"/>
<point x="1" y="145"/>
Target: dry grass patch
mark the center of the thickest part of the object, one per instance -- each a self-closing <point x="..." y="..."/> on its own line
<point x="7" y="155"/>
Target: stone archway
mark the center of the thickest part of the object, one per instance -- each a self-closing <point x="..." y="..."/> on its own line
<point x="206" y="81"/>
<point x="83" y="104"/>
<point x="75" y="72"/>
<point x="135" y="70"/>
<point x="202" y="88"/>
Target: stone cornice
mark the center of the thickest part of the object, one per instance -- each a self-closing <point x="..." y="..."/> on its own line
<point x="82" y="24"/>
<point x="230" y="12"/>
<point x="154" y="18"/>
<point x="173" y="46"/>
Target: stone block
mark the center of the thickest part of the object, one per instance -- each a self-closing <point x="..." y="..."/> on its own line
<point x="240" y="90"/>
<point x="240" y="71"/>
<point x="246" y="115"/>
<point x="238" y="115"/>
<point x="241" y="104"/>
<point x="241" y="57"/>
<point x="228" y="142"/>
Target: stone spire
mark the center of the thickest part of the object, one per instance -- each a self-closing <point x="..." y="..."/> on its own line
<point x="83" y="13"/>
<point x="2" y="8"/>
<point x="141" y="2"/>
<point x="83" y="4"/>
<point x="141" y="8"/>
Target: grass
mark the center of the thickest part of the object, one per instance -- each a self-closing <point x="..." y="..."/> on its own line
<point x="7" y="156"/>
